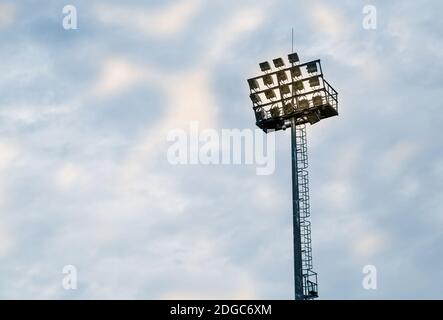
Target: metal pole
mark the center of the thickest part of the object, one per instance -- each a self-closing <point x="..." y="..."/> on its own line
<point x="298" y="271"/>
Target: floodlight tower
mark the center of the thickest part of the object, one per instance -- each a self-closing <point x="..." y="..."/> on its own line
<point x="293" y="96"/>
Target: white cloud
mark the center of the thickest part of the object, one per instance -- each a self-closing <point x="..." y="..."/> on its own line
<point x="408" y="187"/>
<point x="240" y="22"/>
<point x="328" y="20"/>
<point x="336" y="36"/>
<point x="24" y="64"/>
<point x="142" y="232"/>
<point x="396" y="157"/>
<point x="115" y="76"/>
<point x="7" y="14"/>
<point x="160" y="22"/>
<point x="337" y="194"/>
<point x="31" y="114"/>
<point x="367" y="245"/>
<point x="190" y="94"/>
<point x="242" y="289"/>
<point x="6" y="241"/>
<point x="8" y="152"/>
<point x="70" y="175"/>
<point x="268" y="195"/>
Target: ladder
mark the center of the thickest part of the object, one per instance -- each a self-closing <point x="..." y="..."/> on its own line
<point x="310" y="287"/>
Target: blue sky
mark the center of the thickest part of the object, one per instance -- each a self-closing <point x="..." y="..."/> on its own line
<point x="84" y="178"/>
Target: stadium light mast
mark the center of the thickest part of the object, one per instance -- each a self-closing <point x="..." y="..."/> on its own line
<point x="293" y="96"/>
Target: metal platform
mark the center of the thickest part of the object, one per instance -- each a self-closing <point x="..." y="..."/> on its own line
<point x="311" y="115"/>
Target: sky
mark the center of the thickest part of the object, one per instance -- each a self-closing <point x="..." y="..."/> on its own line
<point x="85" y="180"/>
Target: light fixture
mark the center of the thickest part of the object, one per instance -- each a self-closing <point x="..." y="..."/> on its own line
<point x="298" y="85"/>
<point x="278" y="63"/>
<point x="311" y="67"/>
<point x="282" y="76"/>
<point x="303" y="104"/>
<point x="285" y="89"/>
<point x="264" y="66"/>
<point x="313" y="117"/>
<point x="267" y="80"/>
<point x="314" y="82"/>
<point x="275" y="112"/>
<point x="255" y="98"/>
<point x="293" y="58"/>
<point x="270" y="94"/>
<point x="253" y="84"/>
<point x="288" y="108"/>
<point x="317" y="100"/>
<point x="260" y="114"/>
<point x="295" y="72"/>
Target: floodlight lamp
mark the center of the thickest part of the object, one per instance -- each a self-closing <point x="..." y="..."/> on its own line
<point x="313" y="117"/>
<point x="278" y="63"/>
<point x="285" y="89"/>
<point x="303" y="104"/>
<point x="281" y="76"/>
<point x="288" y="108"/>
<point x="314" y="82"/>
<point x="295" y="72"/>
<point x="270" y="94"/>
<point x="311" y="67"/>
<point x="298" y="85"/>
<point x="264" y="66"/>
<point x="317" y="100"/>
<point x="260" y="114"/>
<point x="267" y="80"/>
<point x="293" y="58"/>
<point x="253" y="84"/>
<point x="275" y="112"/>
<point x="255" y="98"/>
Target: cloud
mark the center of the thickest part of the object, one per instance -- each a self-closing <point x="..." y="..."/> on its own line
<point x="6" y="241"/>
<point x="329" y="20"/>
<point x="24" y="64"/>
<point x="30" y="114"/>
<point x="396" y="157"/>
<point x="368" y="245"/>
<point x="243" y="290"/>
<point x="7" y="14"/>
<point x="115" y="76"/>
<point x="83" y="184"/>
<point x="161" y="22"/>
<point x="70" y="175"/>
<point x="8" y="152"/>
<point x="240" y="22"/>
<point x="190" y="94"/>
<point x="335" y="35"/>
